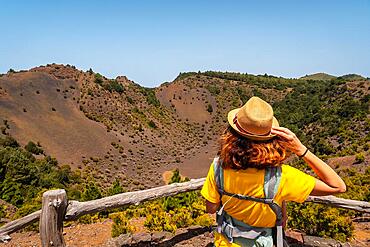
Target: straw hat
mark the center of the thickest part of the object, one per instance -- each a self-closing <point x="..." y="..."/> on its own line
<point x="253" y="120"/>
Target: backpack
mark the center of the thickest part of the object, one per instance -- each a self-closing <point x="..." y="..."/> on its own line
<point x="239" y="232"/>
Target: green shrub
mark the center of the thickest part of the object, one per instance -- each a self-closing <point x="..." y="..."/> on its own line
<point x="74" y="194"/>
<point x="319" y="220"/>
<point x="129" y="100"/>
<point x="360" y="158"/>
<point x="150" y="96"/>
<point x="116" y="188"/>
<point x="182" y="217"/>
<point x="98" y="79"/>
<point x="176" y="178"/>
<point x="3" y="213"/>
<point x="213" y="89"/>
<point x="33" y="148"/>
<point x="91" y="192"/>
<point x="152" y="124"/>
<point x="113" y="85"/>
<point x="8" y="141"/>
<point x="242" y="94"/>
<point x="257" y="93"/>
<point x="209" y="108"/>
<point x="159" y="220"/>
<point x="89" y="218"/>
<point x="204" y="220"/>
<point x="121" y="224"/>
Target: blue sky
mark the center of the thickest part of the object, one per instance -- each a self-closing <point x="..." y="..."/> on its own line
<point x="152" y="41"/>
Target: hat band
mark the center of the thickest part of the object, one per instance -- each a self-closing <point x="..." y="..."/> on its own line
<point x="240" y="128"/>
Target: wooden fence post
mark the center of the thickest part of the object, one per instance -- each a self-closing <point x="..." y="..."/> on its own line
<point x="54" y="205"/>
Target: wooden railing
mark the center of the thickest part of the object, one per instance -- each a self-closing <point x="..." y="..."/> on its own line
<point x="56" y="208"/>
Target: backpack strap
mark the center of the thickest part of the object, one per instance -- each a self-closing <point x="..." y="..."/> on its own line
<point x="272" y="181"/>
<point x="219" y="173"/>
<point x="219" y="177"/>
<point x="271" y="185"/>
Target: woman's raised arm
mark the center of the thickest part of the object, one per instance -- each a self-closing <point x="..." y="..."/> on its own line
<point x="330" y="182"/>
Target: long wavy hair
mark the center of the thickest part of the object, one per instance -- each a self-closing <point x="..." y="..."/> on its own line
<point x="238" y="152"/>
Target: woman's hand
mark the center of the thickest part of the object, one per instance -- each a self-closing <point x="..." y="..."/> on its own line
<point x="330" y="183"/>
<point x="289" y="140"/>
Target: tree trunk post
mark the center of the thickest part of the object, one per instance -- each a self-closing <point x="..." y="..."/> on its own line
<point x="54" y="205"/>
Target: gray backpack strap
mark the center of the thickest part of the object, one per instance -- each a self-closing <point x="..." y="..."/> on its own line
<point x="248" y="198"/>
<point x="272" y="181"/>
<point x="271" y="185"/>
<point x="219" y="178"/>
<point x="219" y="174"/>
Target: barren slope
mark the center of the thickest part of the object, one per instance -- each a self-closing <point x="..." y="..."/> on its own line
<point x="43" y="109"/>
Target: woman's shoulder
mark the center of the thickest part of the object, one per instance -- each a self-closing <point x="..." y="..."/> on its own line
<point x="296" y="185"/>
<point x="289" y="168"/>
<point x="290" y="171"/>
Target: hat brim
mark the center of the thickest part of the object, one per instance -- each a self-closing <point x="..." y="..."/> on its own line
<point x="230" y="118"/>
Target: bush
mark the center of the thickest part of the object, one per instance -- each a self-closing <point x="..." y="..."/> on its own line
<point x="158" y="220"/>
<point x="113" y="85"/>
<point x="242" y="94"/>
<point x="89" y="218"/>
<point x="214" y="90"/>
<point x="91" y="192"/>
<point x="33" y="148"/>
<point x="98" y="79"/>
<point x="150" y="96"/>
<point x="182" y="217"/>
<point x="209" y="108"/>
<point x="152" y="124"/>
<point x="2" y="211"/>
<point x="176" y="178"/>
<point x="359" y="158"/>
<point x="121" y="224"/>
<point x="319" y="220"/>
<point x="129" y="100"/>
<point x="22" y="176"/>
<point x="204" y="220"/>
<point x="257" y="93"/>
<point x="116" y="188"/>
<point x="8" y="141"/>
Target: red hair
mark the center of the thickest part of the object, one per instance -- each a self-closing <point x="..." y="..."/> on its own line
<point x="238" y="152"/>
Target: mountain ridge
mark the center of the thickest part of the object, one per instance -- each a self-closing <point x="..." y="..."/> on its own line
<point x="314" y="76"/>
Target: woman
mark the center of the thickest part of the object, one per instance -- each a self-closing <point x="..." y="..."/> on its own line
<point x="247" y="184"/>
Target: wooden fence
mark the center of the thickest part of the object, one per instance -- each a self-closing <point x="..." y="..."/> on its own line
<point x="56" y="208"/>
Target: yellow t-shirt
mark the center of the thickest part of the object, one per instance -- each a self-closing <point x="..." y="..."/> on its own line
<point x="294" y="186"/>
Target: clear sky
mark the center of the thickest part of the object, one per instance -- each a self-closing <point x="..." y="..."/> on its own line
<point x="152" y="41"/>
